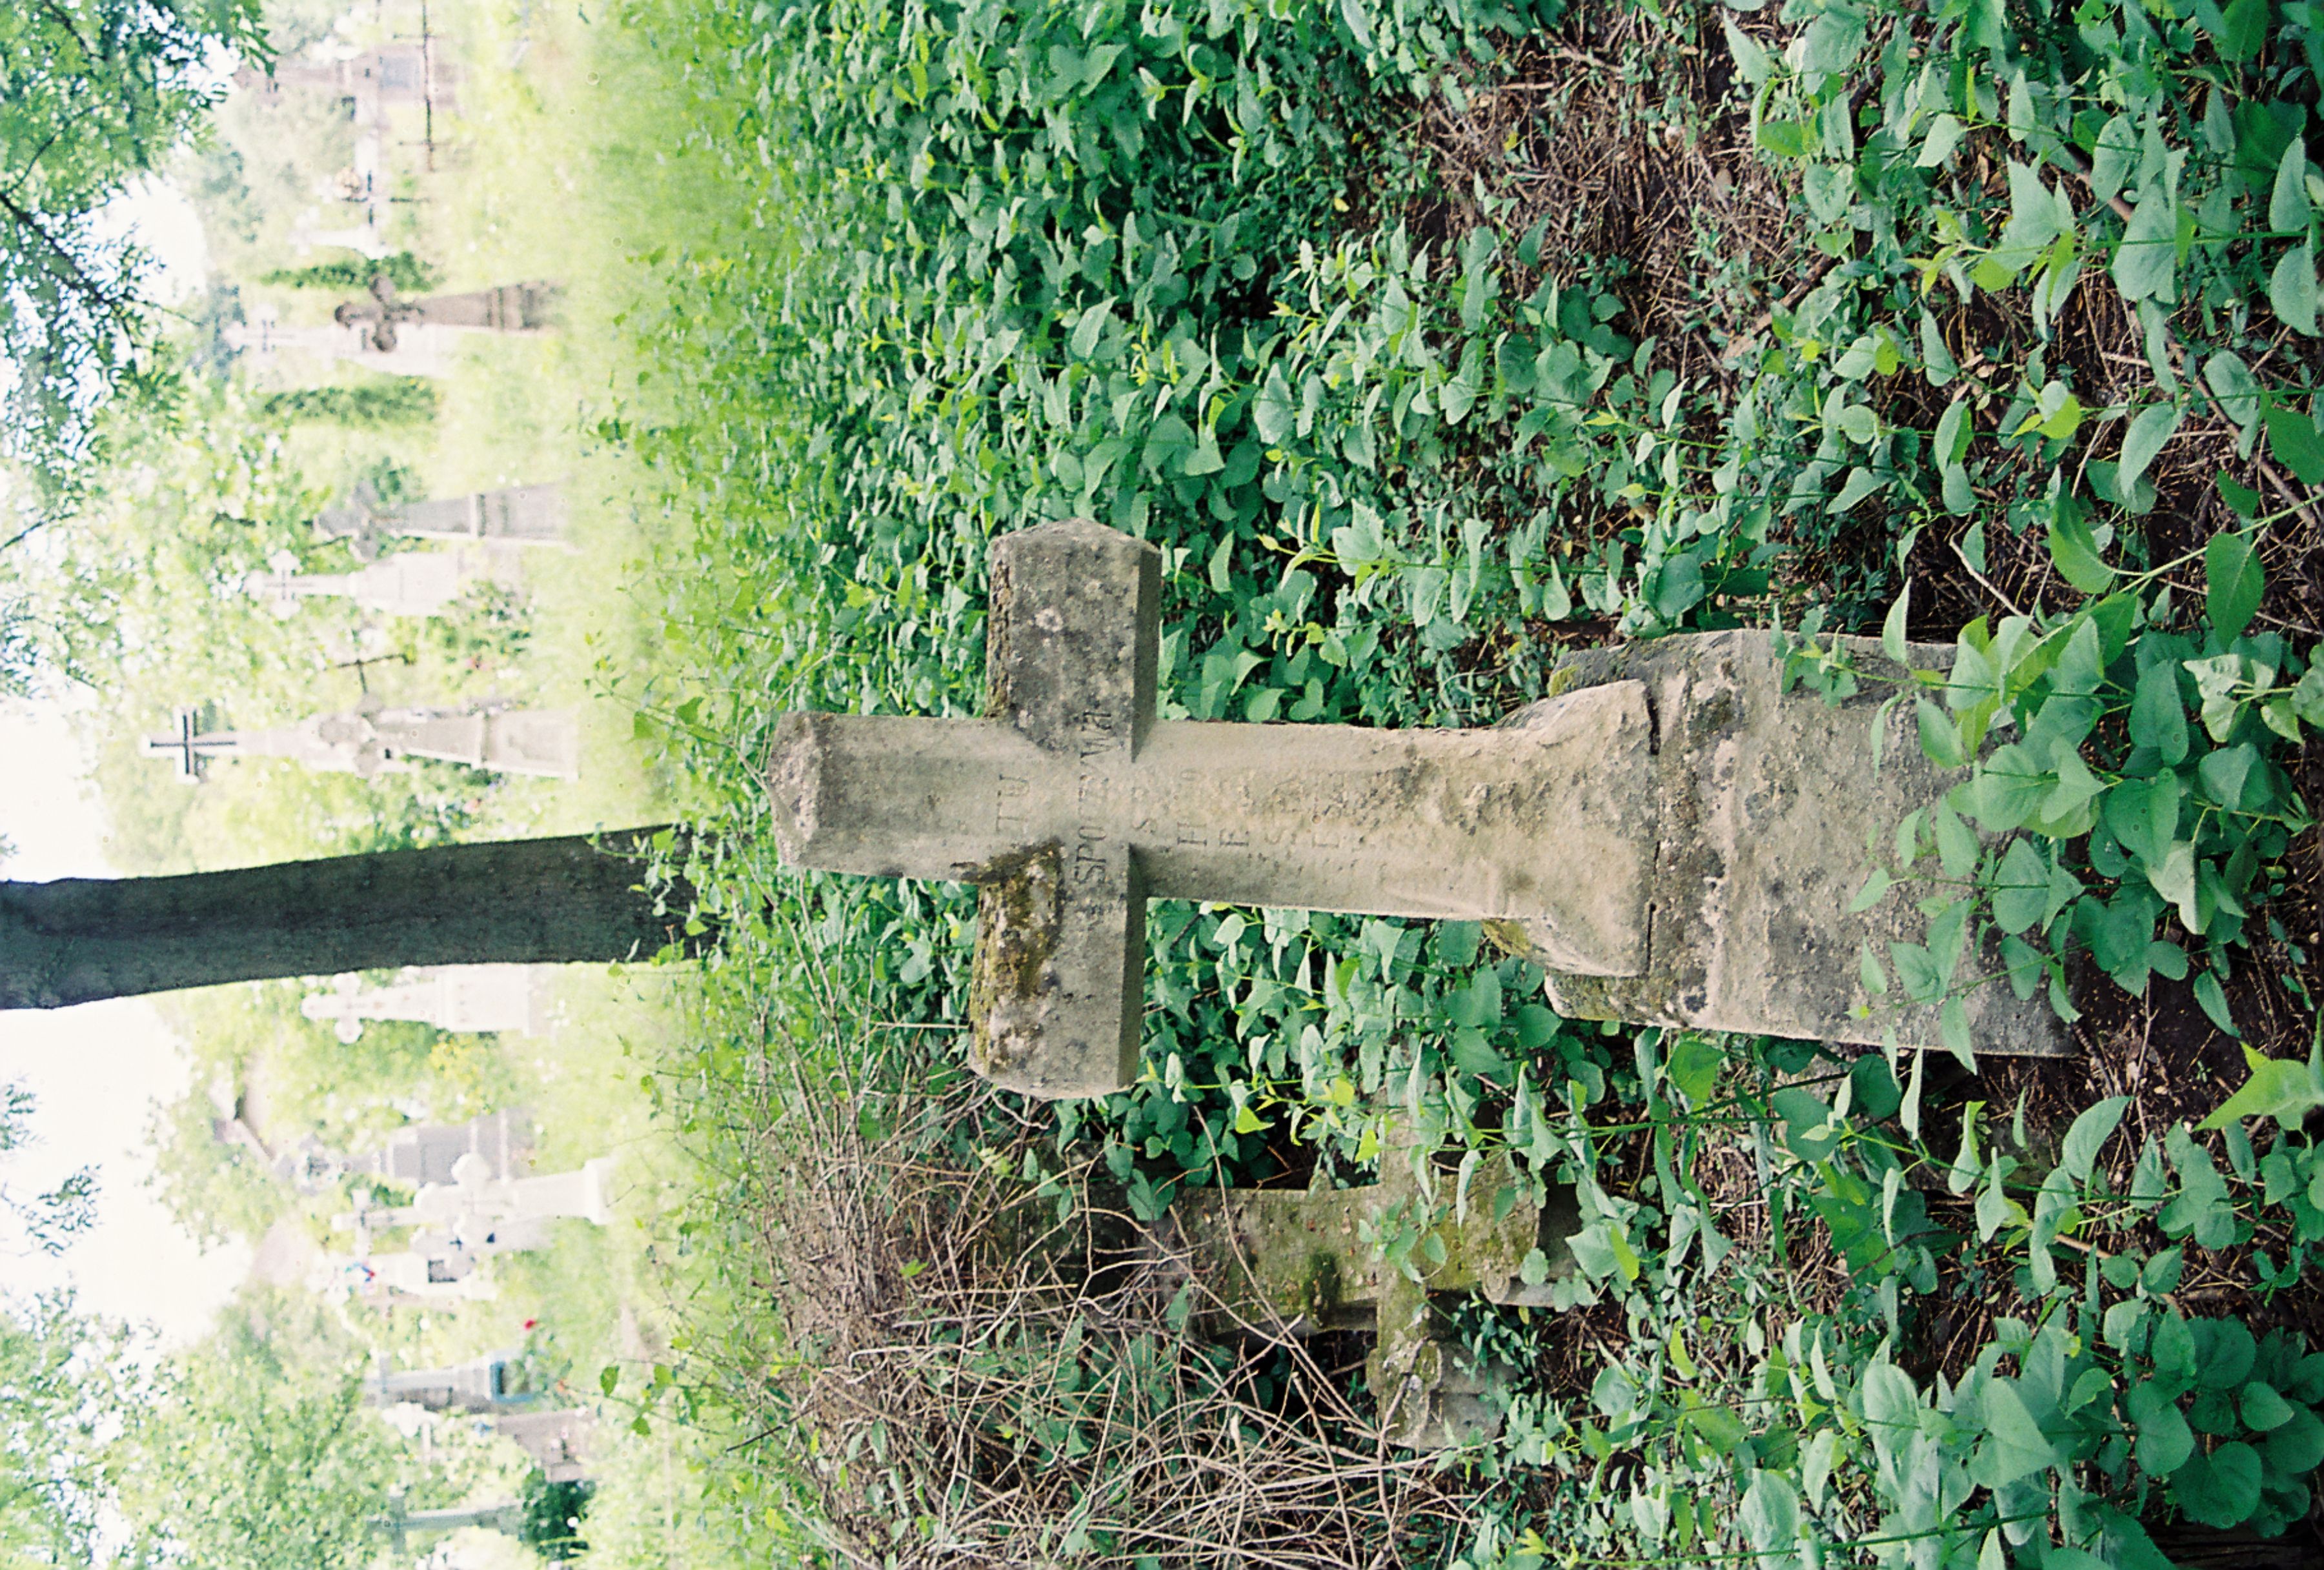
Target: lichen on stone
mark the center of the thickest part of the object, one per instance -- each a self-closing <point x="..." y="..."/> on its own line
<point x="1018" y="910"/>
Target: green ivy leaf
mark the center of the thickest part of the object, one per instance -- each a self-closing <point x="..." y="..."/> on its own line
<point x="2232" y="382"/>
<point x="1940" y="736"/>
<point x="1771" y="1518"/>
<point x="2263" y="1407"/>
<point x="2293" y="441"/>
<point x="2150" y="430"/>
<point x="2146" y="262"/>
<point x="2158" y="719"/>
<point x="2221" y="1489"/>
<point x="2278" y="1089"/>
<point x="2013" y="1446"/>
<point x="2021" y="895"/>
<point x="2076" y="550"/>
<point x="2291" y="289"/>
<point x="2288" y="210"/>
<point x="2165" y="1440"/>
<point x="2245" y="30"/>
<point x="2089" y="1135"/>
<point x="1892" y="627"/>
<point x="1694" y="1067"/>
<point x="2295" y="1447"/>
<point x="2214" y="999"/>
<point x="2233" y="584"/>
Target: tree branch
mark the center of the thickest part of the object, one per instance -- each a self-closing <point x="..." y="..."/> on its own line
<point x="112" y="305"/>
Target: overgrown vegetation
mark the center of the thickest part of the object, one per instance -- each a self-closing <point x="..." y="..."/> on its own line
<point x="1425" y="341"/>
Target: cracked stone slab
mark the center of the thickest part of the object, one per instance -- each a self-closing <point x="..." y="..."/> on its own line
<point x="1767" y="802"/>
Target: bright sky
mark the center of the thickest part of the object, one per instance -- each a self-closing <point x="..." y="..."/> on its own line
<point x="97" y="1069"/>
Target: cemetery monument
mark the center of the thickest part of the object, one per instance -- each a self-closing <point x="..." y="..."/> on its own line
<point x="377" y="740"/>
<point x="409" y="583"/>
<point x="517" y="515"/>
<point x="1673" y="837"/>
<point x="452" y="997"/>
<point x="512" y="307"/>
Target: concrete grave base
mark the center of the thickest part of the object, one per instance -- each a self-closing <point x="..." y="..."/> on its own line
<point x="1766" y="802"/>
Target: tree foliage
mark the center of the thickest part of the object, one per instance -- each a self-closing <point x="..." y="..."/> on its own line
<point x="257" y="1452"/>
<point x="63" y="1383"/>
<point x="94" y="94"/>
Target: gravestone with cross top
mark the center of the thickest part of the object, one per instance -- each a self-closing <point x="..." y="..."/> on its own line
<point x="1676" y="846"/>
<point x="1071" y="805"/>
<point x="1279" y="1263"/>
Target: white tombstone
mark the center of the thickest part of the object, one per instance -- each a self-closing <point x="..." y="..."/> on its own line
<point x="375" y="739"/>
<point x="510" y="517"/>
<point x="447" y="1276"/>
<point x="410" y="583"/>
<point x="452" y="997"/>
<point x="478" y="1199"/>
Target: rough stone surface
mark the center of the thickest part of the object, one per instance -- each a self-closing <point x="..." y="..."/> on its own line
<point x="1280" y="1263"/>
<point x="1768" y="802"/>
<point x="1070" y="805"/>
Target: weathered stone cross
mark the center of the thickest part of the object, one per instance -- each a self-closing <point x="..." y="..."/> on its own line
<point x="1072" y="804"/>
<point x="1669" y="834"/>
<point x="1286" y="1263"/>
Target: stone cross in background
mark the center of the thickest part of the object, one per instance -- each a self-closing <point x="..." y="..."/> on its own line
<point x="452" y="997"/>
<point x="1287" y="1262"/>
<point x="378" y="740"/>
<point x="399" y="1526"/>
<point x="512" y="307"/>
<point x="505" y="1387"/>
<point x="518" y="516"/>
<point x="1677" y="847"/>
<point x="410" y="583"/>
<point x="458" y="1226"/>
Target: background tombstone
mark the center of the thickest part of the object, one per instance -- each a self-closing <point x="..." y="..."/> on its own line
<point x="1291" y="1262"/>
<point x="517" y="515"/>
<point x="416" y="1155"/>
<point x="407" y="583"/>
<point x="376" y="739"/>
<point x="464" y="998"/>
<point x="494" y="1383"/>
<point x="512" y="308"/>
<point x="480" y="1214"/>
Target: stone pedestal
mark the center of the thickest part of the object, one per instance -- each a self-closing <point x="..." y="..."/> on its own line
<point x="452" y="997"/>
<point x="1765" y="803"/>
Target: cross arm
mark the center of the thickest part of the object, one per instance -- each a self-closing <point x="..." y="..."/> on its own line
<point x="1072" y="637"/>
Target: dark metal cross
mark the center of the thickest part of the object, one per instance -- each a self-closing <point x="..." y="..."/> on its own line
<point x="191" y="748"/>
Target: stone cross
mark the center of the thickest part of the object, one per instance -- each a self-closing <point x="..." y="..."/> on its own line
<point x="1072" y="804"/>
<point x="512" y="307"/>
<point x="376" y="739"/>
<point x="498" y="1381"/>
<point x="1670" y="835"/>
<point x="515" y="516"/>
<point x="486" y="1214"/>
<point x="452" y="997"/>
<point x="191" y="747"/>
<point x="399" y="1525"/>
<point x="1284" y="1264"/>
<point x="409" y="583"/>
